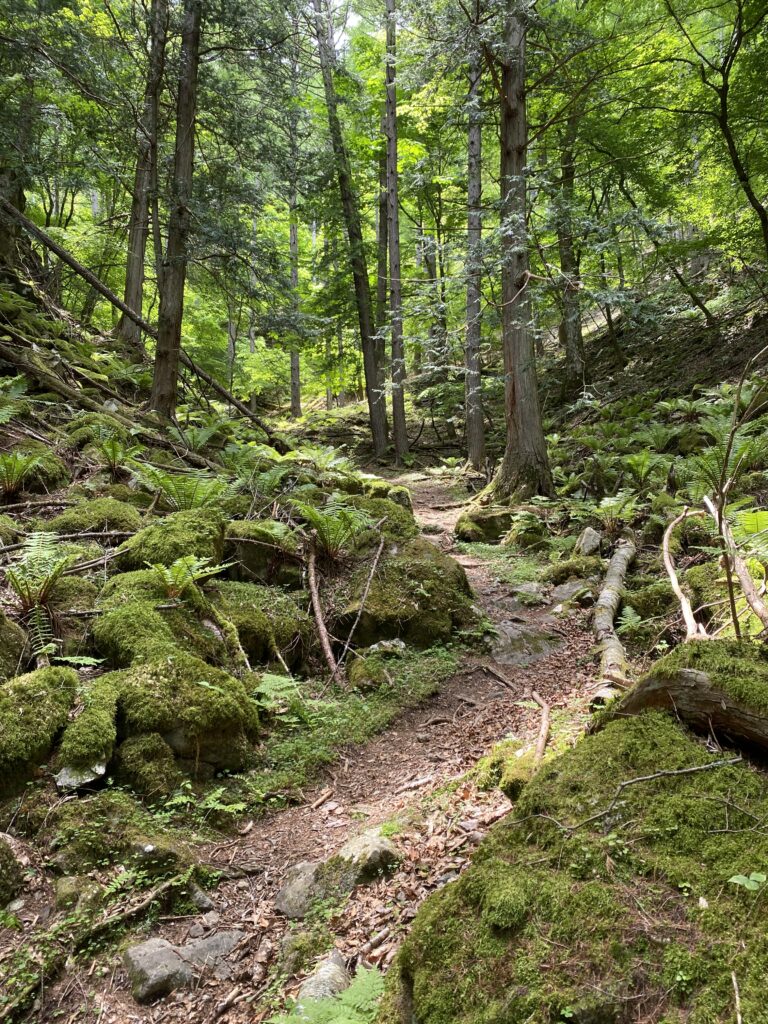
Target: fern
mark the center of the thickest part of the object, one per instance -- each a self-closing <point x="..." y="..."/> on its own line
<point x="718" y="469"/>
<point x="616" y="512"/>
<point x="750" y="530"/>
<point x="114" y="453"/>
<point x="34" y="575"/>
<point x="15" y="467"/>
<point x="185" y="572"/>
<point x="194" y="437"/>
<point x="182" y="493"/>
<point x="12" y="390"/>
<point x="335" y="525"/>
<point x="358" y="1004"/>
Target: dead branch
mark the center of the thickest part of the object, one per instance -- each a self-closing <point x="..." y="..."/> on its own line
<point x="363" y="599"/>
<point x="693" y="629"/>
<point x="541" y="742"/>
<point x="317" y="608"/>
<point x="751" y="592"/>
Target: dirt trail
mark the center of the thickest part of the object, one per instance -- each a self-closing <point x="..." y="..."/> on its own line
<point x="412" y="773"/>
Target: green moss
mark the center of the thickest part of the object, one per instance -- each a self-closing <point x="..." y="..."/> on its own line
<point x="705" y="583"/>
<point x="375" y="487"/>
<point x="739" y="669"/>
<point x="9" y="531"/>
<point x="90" y="738"/>
<point x="87" y="427"/>
<point x="13" y="640"/>
<point x="635" y="901"/>
<point x="266" y="551"/>
<point x="397" y="522"/>
<point x="128" y="495"/>
<point x="51" y="471"/>
<point x="199" y="532"/>
<point x="653" y="600"/>
<point x="146" y="764"/>
<point x="73" y="594"/>
<point x="483" y="524"/>
<point x="98" y="514"/>
<point x="418" y="593"/>
<point x="203" y="713"/>
<point x="33" y="710"/>
<point x="134" y="631"/>
<point x="10" y="874"/>
<point x="267" y="620"/>
<point x="368" y="672"/>
<point x="578" y="567"/>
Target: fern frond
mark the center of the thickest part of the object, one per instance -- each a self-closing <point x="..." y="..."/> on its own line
<point x="335" y="525"/>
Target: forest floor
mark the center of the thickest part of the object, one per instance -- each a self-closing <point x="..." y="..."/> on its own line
<point x="414" y="781"/>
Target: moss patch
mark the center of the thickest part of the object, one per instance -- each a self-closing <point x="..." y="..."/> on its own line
<point x="486" y="525"/>
<point x="576" y="568"/>
<point x="146" y="764"/>
<point x="98" y="514"/>
<point x="570" y="913"/>
<point x="10" y="874"/>
<point x="33" y="710"/>
<point x="267" y="620"/>
<point x="199" y="532"/>
<point x="266" y="551"/>
<point x="13" y="640"/>
<point x="87" y="427"/>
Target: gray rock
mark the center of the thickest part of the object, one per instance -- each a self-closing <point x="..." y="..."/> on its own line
<point x="574" y="592"/>
<point x="199" y="897"/>
<point x="155" y="968"/>
<point x="520" y="644"/>
<point x="211" y="951"/>
<point x="75" y="778"/>
<point x="329" y="979"/>
<point x="396" y="648"/>
<point x="369" y="855"/>
<point x="298" y="890"/>
<point x="77" y="892"/>
<point x="529" y="593"/>
<point x="588" y="542"/>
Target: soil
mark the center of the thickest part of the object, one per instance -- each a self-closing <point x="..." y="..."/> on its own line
<point x="413" y="778"/>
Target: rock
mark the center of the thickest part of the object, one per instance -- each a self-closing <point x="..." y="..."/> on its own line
<point x="391" y="648"/>
<point x="76" y="892"/>
<point x="298" y="890"/>
<point x="369" y="855"/>
<point x="529" y="593"/>
<point x="484" y="524"/>
<point x="329" y="979"/>
<point x="520" y="645"/>
<point x="211" y="919"/>
<point x="574" y="592"/>
<point x="10" y="873"/>
<point x="199" y="897"/>
<point x="156" y="856"/>
<point x="196" y="931"/>
<point x="588" y="542"/>
<point x="155" y="968"/>
<point x="75" y="778"/>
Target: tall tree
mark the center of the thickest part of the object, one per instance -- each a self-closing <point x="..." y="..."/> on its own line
<point x="375" y="395"/>
<point x="167" y="354"/>
<point x="524" y="470"/>
<point x="472" y="384"/>
<point x="399" y="426"/>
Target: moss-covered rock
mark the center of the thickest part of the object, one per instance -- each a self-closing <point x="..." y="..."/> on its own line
<point x="50" y="473"/>
<point x="418" y="594"/>
<point x="265" y="551"/>
<point x="87" y="427"/>
<point x="485" y="524"/>
<point x="73" y="594"/>
<point x="651" y="601"/>
<point x="33" y="710"/>
<point x="147" y="765"/>
<point x="13" y="640"/>
<point x="375" y="487"/>
<point x="267" y="621"/>
<point x="396" y="521"/>
<point x="133" y="631"/>
<point x="90" y="738"/>
<point x="574" y="870"/>
<point x="368" y="672"/>
<point x="198" y="532"/>
<point x="97" y="514"/>
<point x="203" y="714"/>
<point x="10" y="874"/>
<point x="9" y="531"/>
<point x="577" y="568"/>
<point x="128" y="495"/>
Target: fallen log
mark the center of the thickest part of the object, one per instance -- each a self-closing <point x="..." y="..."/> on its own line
<point x="613" y="658"/>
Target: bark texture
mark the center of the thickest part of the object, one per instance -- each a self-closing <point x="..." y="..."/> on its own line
<point x="472" y="385"/>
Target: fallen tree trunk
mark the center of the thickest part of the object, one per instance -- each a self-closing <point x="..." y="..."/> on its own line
<point x="693" y="697"/>
<point x="613" y="659"/>
<point x="98" y="286"/>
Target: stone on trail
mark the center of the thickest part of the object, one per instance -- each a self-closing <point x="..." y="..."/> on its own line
<point x="157" y="967"/>
<point x="329" y="979"/>
<point x="369" y="854"/>
<point x="579" y="592"/>
<point x="298" y="890"/>
<point x="10" y="874"/>
<point x="588" y="542"/>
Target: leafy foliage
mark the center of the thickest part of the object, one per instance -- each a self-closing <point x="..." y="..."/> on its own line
<point x="15" y="468"/>
<point x="12" y="390"/>
<point x="184" y="573"/>
<point x="182" y="492"/>
<point x="115" y="454"/>
<point x="34" y="575"/>
<point x="335" y="525"/>
<point x="356" y="1005"/>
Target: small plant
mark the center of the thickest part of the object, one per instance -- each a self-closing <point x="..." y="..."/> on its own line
<point x="37" y="571"/>
<point x="752" y="882"/>
<point x="335" y="525"/>
<point x="629" y="621"/>
<point x="12" y="390"/>
<point x="184" y="492"/>
<point x="15" y="467"/>
<point x="358" y="1004"/>
<point x="115" y="454"/>
<point x="185" y="572"/>
<point x="616" y="512"/>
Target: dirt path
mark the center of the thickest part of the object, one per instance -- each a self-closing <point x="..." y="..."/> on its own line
<point x="411" y="777"/>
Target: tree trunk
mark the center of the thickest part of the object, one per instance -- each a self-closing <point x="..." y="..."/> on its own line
<point x="374" y="393"/>
<point x="524" y="470"/>
<point x="165" y="380"/>
<point x="472" y="387"/>
<point x="570" y="326"/>
<point x="294" y="254"/>
<point x="138" y="229"/>
<point x="382" y="228"/>
<point x="399" y="426"/>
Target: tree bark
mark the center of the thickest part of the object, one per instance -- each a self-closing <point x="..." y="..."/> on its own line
<point x="294" y="255"/>
<point x="375" y="395"/>
<point x="399" y="426"/>
<point x="472" y="384"/>
<point x="570" y="326"/>
<point x="166" y="375"/>
<point x="524" y="470"/>
<point x="138" y="229"/>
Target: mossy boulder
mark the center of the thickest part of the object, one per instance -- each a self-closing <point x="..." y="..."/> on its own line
<point x="87" y="427"/>
<point x="265" y="551"/>
<point x="90" y="738"/>
<point x="484" y="524"/>
<point x="13" y="640"/>
<point x="267" y="621"/>
<point x="50" y="473"/>
<point x="33" y="710"/>
<point x="96" y="515"/>
<point x="418" y="593"/>
<point x="578" y="568"/>
<point x="653" y="600"/>
<point x="134" y="631"/>
<point x="128" y="495"/>
<point x="368" y="672"/>
<point x="10" y="874"/>
<point x="147" y="765"/>
<point x="73" y="594"/>
<point x="204" y="714"/>
<point x="573" y="869"/>
<point x="9" y="531"/>
<point x="198" y="532"/>
<point x="396" y="521"/>
<point x="375" y="487"/>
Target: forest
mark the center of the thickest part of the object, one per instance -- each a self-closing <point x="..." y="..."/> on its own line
<point x="383" y="512"/>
